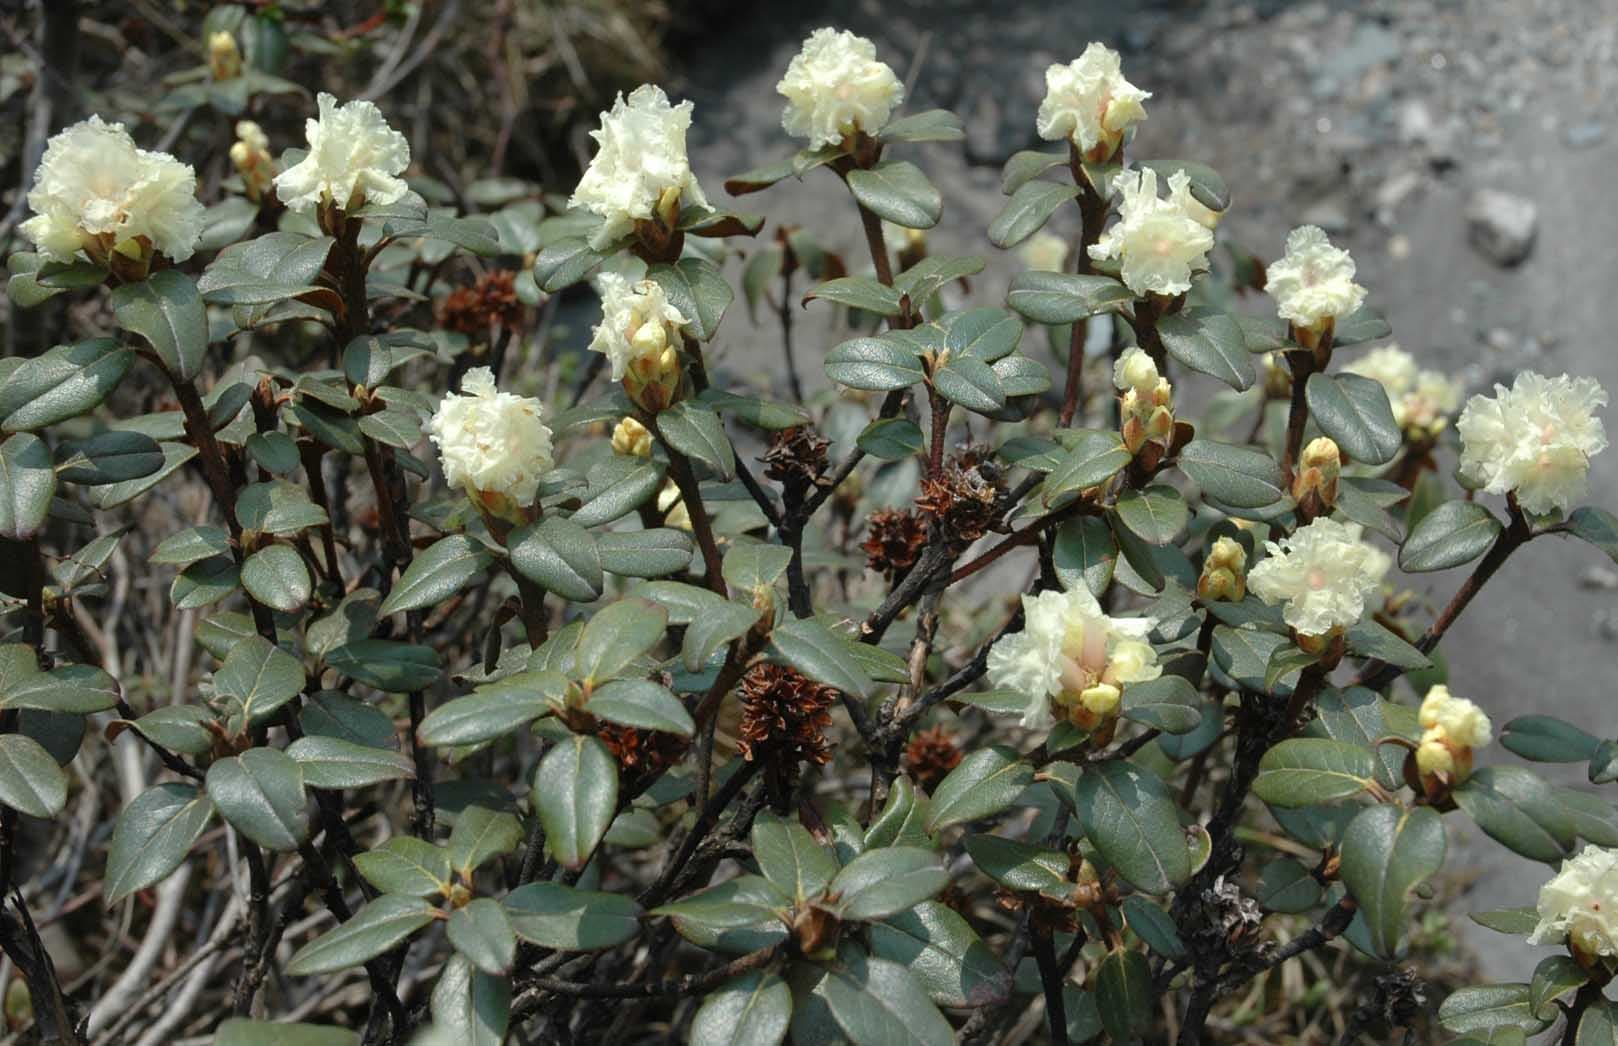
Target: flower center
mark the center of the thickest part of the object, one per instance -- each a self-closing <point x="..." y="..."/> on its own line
<point x="1316" y="578"/>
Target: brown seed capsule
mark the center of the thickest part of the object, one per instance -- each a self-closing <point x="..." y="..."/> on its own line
<point x="784" y="713"/>
<point x="491" y="300"/>
<point x="963" y="497"/>
<point x="797" y="456"/>
<point x="893" y="540"/>
<point x="930" y="755"/>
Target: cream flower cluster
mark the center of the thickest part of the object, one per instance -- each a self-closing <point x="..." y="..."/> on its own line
<point x="835" y="86"/>
<point x="354" y="158"/>
<point x="1451" y="728"/>
<point x="637" y="323"/>
<point x="492" y="442"/>
<point x="1071" y="653"/>
<point x="95" y="189"/>
<point x="1146" y="409"/>
<point x="1422" y="400"/>
<point x="1313" y="284"/>
<point x="1580" y="905"/>
<point x="1089" y="102"/>
<point x="1159" y="241"/>
<point x="641" y="167"/>
<point x="1321" y="574"/>
<point x="1535" y="438"/>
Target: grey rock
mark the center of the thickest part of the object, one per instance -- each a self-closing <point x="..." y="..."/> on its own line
<point x="1502" y="225"/>
<point x="1585" y="135"/>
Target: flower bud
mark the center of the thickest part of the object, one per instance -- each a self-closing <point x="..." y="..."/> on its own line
<point x="250" y="155"/>
<point x="1319" y="467"/>
<point x="638" y="333"/>
<point x="1146" y="412"/>
<point x="1435" y="757"/>
<point x="1451" y="728"/>
<point x="1101" y="700"/>
<point x="632" y="439"/>
<point x="1224" y="573"/>
<point x="675" y="513"/>
<point x="224" y="58"/>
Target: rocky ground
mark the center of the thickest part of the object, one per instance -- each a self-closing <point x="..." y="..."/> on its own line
<point x="1462" y="150"/>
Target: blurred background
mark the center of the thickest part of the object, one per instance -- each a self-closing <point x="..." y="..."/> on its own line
<point x="1462" y="149"/>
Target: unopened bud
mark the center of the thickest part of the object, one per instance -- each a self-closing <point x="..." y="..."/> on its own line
<point x="1224" y="573"/>
<point x="1101" y="700"/>
<point x="632" y="439"/>
<point x="652" y="380"/>
<point x="224" y="58"/>
<point x="1319" y="467"/>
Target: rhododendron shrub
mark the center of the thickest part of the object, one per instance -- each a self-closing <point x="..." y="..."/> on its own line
<point x="603" y="692"/>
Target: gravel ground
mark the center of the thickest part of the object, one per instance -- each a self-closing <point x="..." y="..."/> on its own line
<point x="1378" y="121"/>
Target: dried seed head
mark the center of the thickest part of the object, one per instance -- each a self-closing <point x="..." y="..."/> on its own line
<point x="491" y="300"/>
<point x="962" y="497"/>
<point x="785" y="713"/>
<point x="893" y="541"/>
<point x="647" y="752"/>
<point x="930" y="756"/>
<point x="797" y="456"/>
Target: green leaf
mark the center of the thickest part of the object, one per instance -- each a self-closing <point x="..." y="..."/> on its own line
<point x="856" y="292"/>
<point x="1027" y="165"/>
<point x="71" y="689"/>
<point x="30" y="780"/>
<point x="1154" y="926"/>
<point x="740" y="902"/>
<point x="1358" y="716"/>
<point x="983" y="334"/>
<point x="1386" y="852"/>
<point x="558" y="555"/>
<point x="166" y="310"/>
<point x="112" y="495"/>
<point x="876" y="364"/>
<point x="1018" y="865"/>
<point x="1169" y="703"/>
<point x="205" y="583"/>
<point x="902" y="819"/>
<point x="751" y="1010"/>
<point x="447" y="566"/>
<point x="1518" y="921"/>
<point x="1211" y="342"/>
<point x="556" y="916"/>
<point x="153" y="835"/>
<point x="1369" y="639"/>
<point x="1128" y="814"/>
<point x="944" y="953"/>
<point x="879" y="883"/>
<point x="564" y="263"/>
<point x="179" y="728"/>
<point x="277" y="577"/>
<point x="1604" y="763"/>
<point x="1092" y="459"/>
<point x="1517" y="809"/>
<point x="262" y="271"/>
<point x="258" y="677"/>
<point x="1060" y="297"/>
<point x="790" y="858"/>
<point x="1241" y="477"/>
<point x="1454" y="533"/>
<point x="406" y="865"/>
<point x="716" y="626"/>
<point x="1124" y="994"/>
<point x="27" y="484"/>
<point x="984" y="783"/>
<point x="331" y="762"/>
<point x="470" y="1007"/>
<point x="1594" y="818"/>
<point x="1156" y="514"/>
<point x="576" y="794"/>
<point x="1542" y="738"/>
<point x="260" y="793"/>
<point x="645" y="553"/>
<point x="480" y="835"/>
<point x="876" y="1001"/>
<point x="1085" y="553"/>
<point x="1029" y="208"/>
<point x="891" y="439"/>
<point x="1597" y="526"/>
<point x="61" y="383"/>
<point x="617" y="487"/>
<point x="929" y="125"/>
<point x="1305" y="771"/>
<point x="641" y="703"/>
<point x="111" y="457"/>
<point x="898" y="191"/>
<point x="1484" y="1008"/>
<point x="698" y="290"/>
<point x="374" y="929"/>
<point x="1287" y="886"/>
<point x="481" y="932"/>
<point x="618" y="634"/>
<point x="278" y="507"/>
<point x="493" y="710"/>
<point x="821" y="654"/>
<point x="970" y="383"/>
<point x="1365" y="324"/>
<point x="699" y="434"/>
<point x="1354" y="411"/>
<point x="1598" y="1025"/>
<point x="1554" y="977"/>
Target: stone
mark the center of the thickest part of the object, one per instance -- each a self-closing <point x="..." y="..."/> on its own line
<point x="1584" y="135"/>
<point x="1502" y="225"/>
